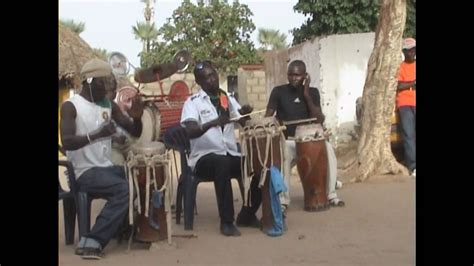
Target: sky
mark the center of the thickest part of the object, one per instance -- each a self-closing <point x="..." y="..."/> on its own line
<point x="108" y="23"/>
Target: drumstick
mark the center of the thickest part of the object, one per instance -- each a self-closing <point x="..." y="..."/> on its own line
<point x="299" y="121"/>
<point x="256" y="112"/>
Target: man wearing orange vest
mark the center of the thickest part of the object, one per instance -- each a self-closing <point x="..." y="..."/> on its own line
<point x="406" y="102"/>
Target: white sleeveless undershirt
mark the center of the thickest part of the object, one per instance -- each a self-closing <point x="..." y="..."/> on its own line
<point x="89" y="117"/>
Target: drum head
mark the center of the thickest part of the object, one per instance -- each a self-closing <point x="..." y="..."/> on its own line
<point x="148" y="123"/>
<point x="309" y="132"/>
<point x="149" y="148"/>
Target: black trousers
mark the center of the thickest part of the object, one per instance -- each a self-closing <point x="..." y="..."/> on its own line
<point x="221" y="168"/>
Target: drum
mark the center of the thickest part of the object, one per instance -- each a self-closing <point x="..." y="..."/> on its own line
<point x="312" y="166"/>
<point x="148" y="173"/>
<point x="262" y="143"/>
<point x="151" y="123"/>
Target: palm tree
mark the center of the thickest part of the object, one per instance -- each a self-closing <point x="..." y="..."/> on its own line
<point x="148" y="12"/>
<point x="145" y="33"/>
<point x="271" y="39"/>
<point x="77" y="27"/>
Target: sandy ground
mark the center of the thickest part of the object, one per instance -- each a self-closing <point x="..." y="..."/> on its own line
<point x="376" y="227"/>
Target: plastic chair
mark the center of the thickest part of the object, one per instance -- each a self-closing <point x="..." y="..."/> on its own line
<point x="176" y="138"/>
<point x="69" y="203"/>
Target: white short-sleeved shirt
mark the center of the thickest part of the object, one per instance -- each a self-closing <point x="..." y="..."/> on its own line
<point x="199" y="108"/>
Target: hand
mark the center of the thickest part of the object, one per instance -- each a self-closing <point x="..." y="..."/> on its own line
<point x="222" y="120"/>
<point x="246" y="109"/>
<point x="107" y="129"/>
<point x="306" y="83"/>
<point x="119" y="139"/>
<point x="136" y="110"/>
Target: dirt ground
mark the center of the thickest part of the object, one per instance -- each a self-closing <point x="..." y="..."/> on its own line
<point x="376" y="227"/>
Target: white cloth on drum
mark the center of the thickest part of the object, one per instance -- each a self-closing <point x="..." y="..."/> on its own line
<point x="290" y="162"/>
<point x="200" y="109"/>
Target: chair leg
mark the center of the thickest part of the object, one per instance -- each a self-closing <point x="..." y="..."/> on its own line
<point x="189" y="202"/>
<point x="69" y="211"/>
<point x="179" y="202"/>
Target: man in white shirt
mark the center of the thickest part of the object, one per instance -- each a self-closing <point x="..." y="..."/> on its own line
<point x="214" y="152"/>
<point x="87" y="125"/>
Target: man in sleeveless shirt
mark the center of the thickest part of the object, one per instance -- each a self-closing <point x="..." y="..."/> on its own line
<point x="87" y="125"/>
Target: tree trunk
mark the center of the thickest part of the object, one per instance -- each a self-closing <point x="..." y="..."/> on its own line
<point x="374" y="155"/>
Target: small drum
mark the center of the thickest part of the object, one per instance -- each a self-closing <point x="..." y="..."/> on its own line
<point x="148" y="172"/>
<point x="151" y="123"/>
<point x="262" y="143"/>
<point x="312" y="166"/>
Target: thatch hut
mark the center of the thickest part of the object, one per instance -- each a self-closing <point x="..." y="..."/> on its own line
<point x="73" y="53"/>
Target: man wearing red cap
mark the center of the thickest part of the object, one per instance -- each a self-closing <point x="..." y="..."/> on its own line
<point x="406" y="102"/>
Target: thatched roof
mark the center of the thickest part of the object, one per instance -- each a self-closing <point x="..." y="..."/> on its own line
<point x="73" y="53"/>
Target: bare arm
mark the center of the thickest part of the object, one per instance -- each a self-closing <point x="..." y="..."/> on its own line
<point x="314" y="110"/>
<point x="133" y="127"/>
<point x="405" y="85"/>
<point x="70" y="140"/>
<point x="195" y="131"/>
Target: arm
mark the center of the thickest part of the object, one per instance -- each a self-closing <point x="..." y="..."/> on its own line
<point x="194" y="130"/>
<point x="405" y="85"/>
<point x="133" y="127"/>
<point x="313" y="103"/>
<point x="70" y="140"/>
<point x="272" y="103"/>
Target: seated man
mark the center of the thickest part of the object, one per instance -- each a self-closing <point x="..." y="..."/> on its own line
<point x="214" y="153"/>
<point x="87" y="124"/>
<point x="295" y="101"/>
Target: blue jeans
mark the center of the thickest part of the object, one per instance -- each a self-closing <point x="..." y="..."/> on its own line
<point x="408" y="130"/>
<point x="107" y="183"/>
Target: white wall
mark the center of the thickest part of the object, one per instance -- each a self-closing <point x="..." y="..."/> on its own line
<point x="343" y="62"/>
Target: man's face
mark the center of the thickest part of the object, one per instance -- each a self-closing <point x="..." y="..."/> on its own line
<point x="208" y="79"/>
<point x="409" y="54"/>
<point x="296" y="76"/>
<point x="102" y="86"/>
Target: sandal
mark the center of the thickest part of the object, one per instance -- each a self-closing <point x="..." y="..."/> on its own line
<point x="337" y="203"/>
<point x="92" y="253"/>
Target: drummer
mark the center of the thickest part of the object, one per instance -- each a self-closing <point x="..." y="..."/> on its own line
<point x="86" y="129"/>
<point x="214" y="153"/>
<point x="295" y="101"/>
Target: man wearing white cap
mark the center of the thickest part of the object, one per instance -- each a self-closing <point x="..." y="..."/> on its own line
<point x="406" y="103"/>
<point x="87" y="125"/>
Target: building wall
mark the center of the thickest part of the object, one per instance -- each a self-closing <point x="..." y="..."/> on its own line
<point x="337" y="65"/>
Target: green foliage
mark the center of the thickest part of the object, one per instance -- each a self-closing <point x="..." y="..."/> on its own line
<point x="101" y="53"/>
<point x="217" y="31"/>
<point x="343" y="16"/>
<point x="77" y="27"/>
<point x="271" y="39"/>
<point x="146" y="33"/>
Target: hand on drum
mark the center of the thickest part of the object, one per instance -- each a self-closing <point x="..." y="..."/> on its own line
<point x="136" y="111"/>
<point x="327" y="133"/>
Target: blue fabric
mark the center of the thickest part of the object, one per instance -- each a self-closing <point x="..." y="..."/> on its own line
<point x="156" y="202"/>
<point x="276" y="187"/>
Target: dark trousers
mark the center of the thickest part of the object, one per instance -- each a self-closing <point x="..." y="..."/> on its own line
<point x="221" y="168"/>
<point x="408" y="130"/>
<point x="110" y="184"/>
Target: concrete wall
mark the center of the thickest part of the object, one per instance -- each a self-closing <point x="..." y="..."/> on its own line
<point x="337" y="65"/>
